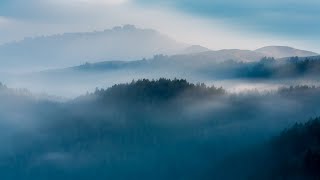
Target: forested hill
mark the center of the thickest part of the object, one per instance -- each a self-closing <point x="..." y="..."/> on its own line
<point x="293" y="154"/>
<point x="297" y="151"/>
<point x="153" y="91"/>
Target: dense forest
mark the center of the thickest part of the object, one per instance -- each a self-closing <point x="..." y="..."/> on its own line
<point x="147" y="91"/>
<point x="157" y="129"/>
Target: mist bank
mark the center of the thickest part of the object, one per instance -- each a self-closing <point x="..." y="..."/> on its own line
<point x="235" y="75"/>
<point x="149" y="129"/>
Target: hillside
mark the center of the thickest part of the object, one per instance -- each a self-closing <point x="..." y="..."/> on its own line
<point x="284" y="51"/>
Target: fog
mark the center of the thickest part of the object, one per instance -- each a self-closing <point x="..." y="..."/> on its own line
<point x="73" y="85"/>
<point x="143" y="129"/>
<point x="212" y="68"/>
<point x="196" y="115"/>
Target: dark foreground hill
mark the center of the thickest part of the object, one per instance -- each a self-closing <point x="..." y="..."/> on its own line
<point x="297" y="151"/>
<point x="293" y="154"/>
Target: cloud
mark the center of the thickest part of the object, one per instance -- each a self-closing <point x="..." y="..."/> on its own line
<point x="287" y="17"/>
<point x="218" y="24"/>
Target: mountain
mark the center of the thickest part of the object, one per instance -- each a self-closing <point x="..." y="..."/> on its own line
<point x="119" y="43"/>
<point x="284" y="51"/>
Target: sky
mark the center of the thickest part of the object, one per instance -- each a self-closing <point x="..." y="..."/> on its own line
<point x="216" y="24"/>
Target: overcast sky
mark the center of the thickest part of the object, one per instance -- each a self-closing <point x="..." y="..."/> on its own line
<point x="217" y="24"/>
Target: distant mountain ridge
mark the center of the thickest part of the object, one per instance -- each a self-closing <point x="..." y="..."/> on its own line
<point x="121" y="43"/>
<point x="57" y="51"/>
<point x="284" y="51"/>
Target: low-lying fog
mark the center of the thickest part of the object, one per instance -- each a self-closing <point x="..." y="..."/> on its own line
<point x="264" y="75"/>
<point x="73" y="85"/>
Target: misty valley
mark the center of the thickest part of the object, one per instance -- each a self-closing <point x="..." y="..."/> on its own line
<point x="130" y="103"/>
